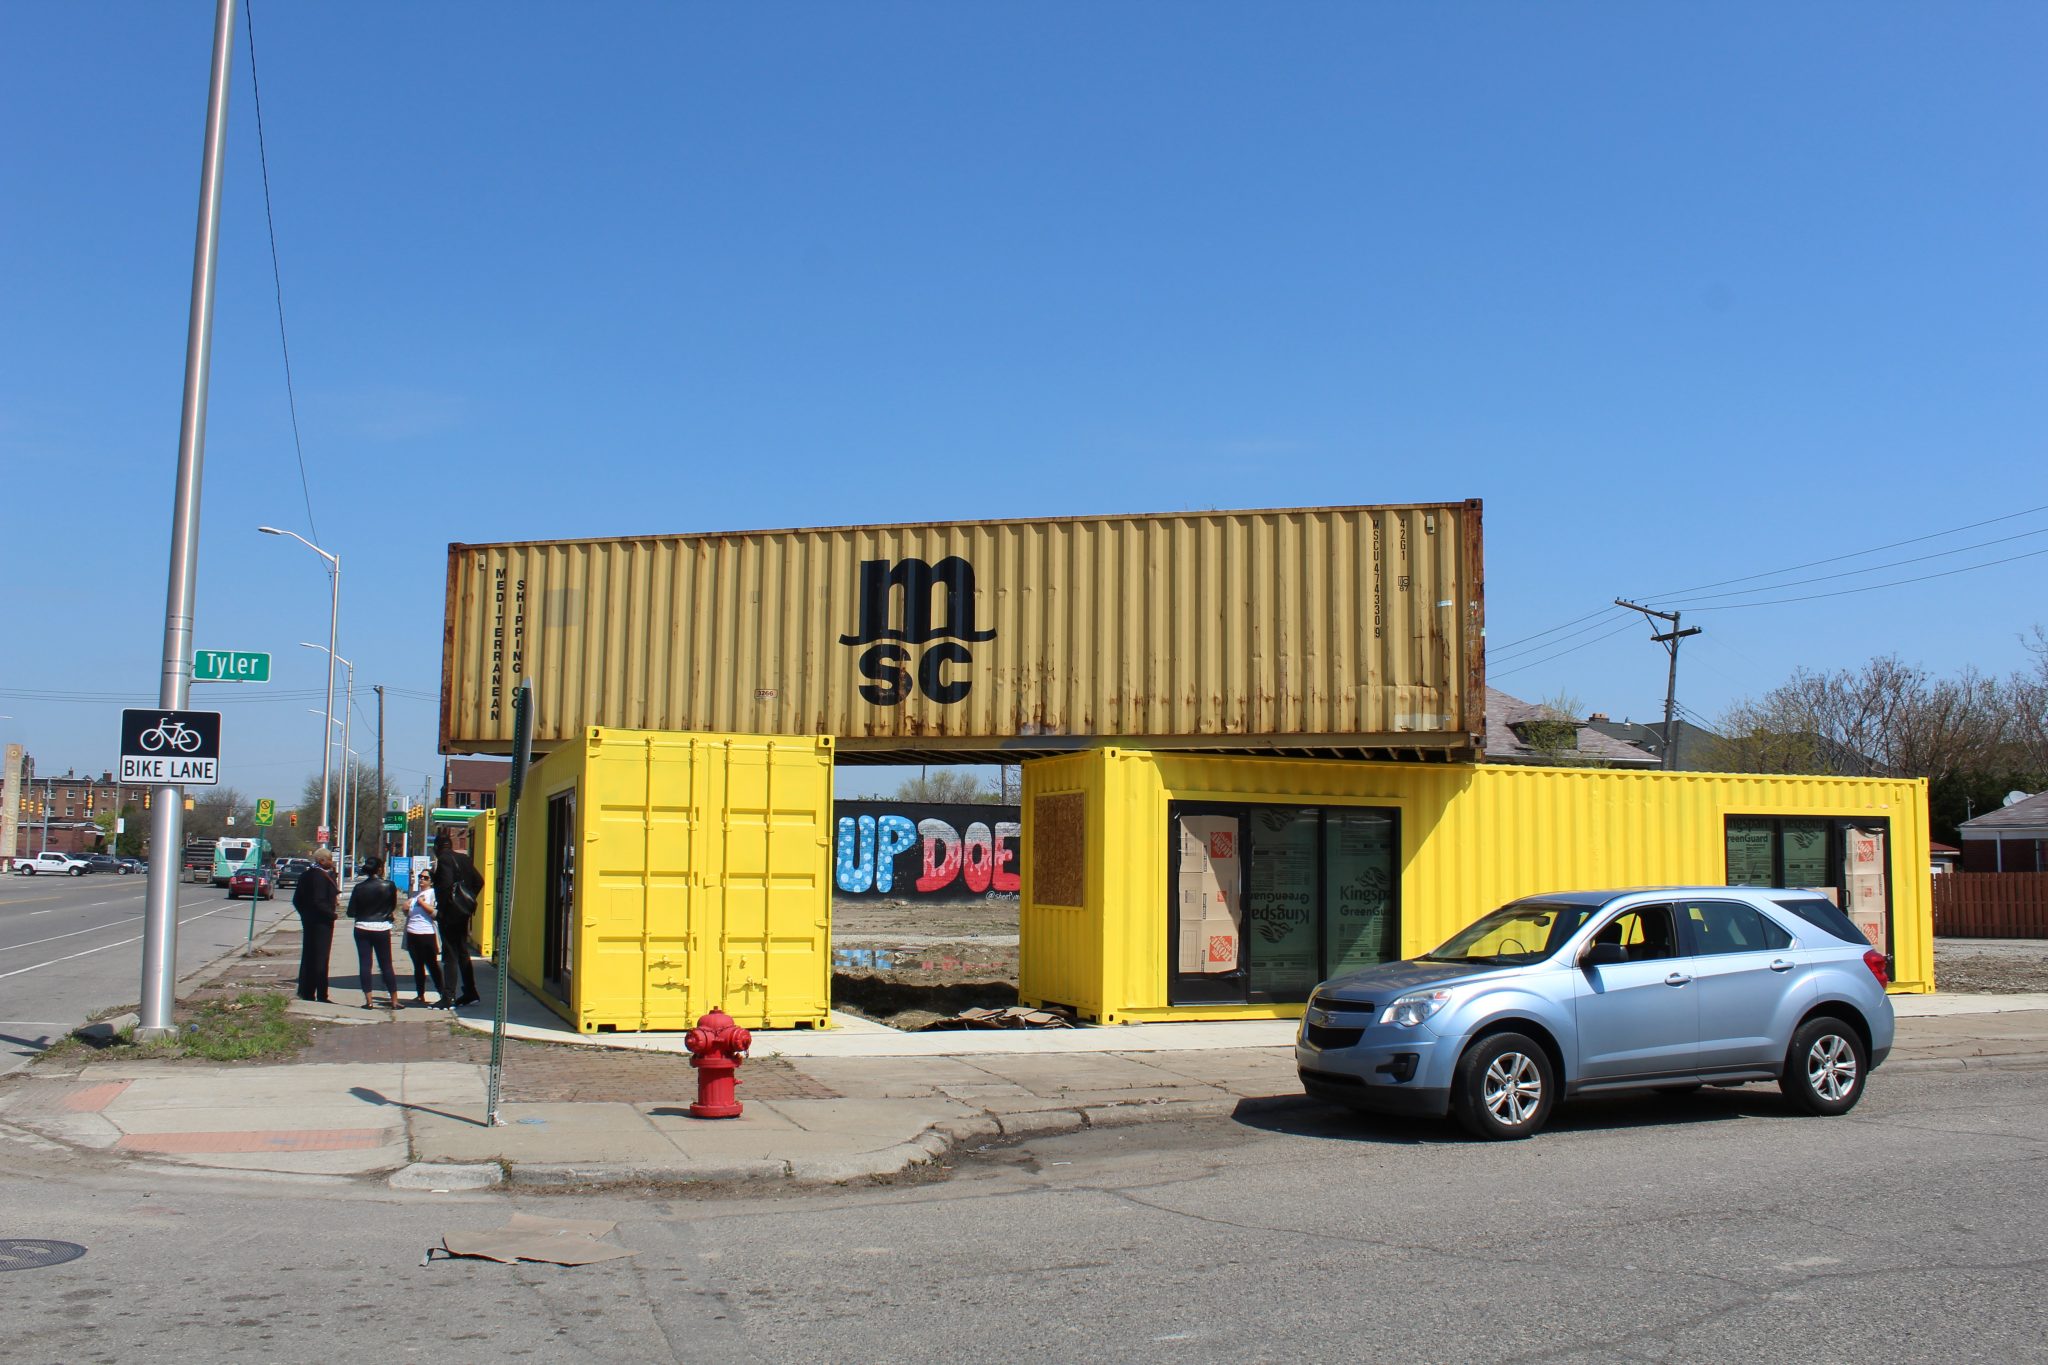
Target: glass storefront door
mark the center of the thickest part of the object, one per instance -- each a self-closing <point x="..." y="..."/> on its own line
<point x="1270" y="899"/>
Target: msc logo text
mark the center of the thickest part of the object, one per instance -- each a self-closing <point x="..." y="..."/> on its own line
<point x="910" y="636"/>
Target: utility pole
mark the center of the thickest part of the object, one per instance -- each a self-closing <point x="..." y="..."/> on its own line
<point x="382" y="838"/>
<point x="174" y="688"/>
<point x="1669" y="639"/>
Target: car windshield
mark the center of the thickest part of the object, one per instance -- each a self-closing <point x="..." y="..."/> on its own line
<point x="1526" y="931"/>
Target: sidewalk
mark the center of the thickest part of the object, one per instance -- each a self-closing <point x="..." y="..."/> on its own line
<point x="402" y="1095"/>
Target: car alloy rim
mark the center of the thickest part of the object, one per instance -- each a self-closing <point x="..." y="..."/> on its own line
<point x="1513" y="1088"/>
<point x="1831" y="1067"/>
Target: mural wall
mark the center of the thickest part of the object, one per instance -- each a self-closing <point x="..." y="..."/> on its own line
<point x="905" y="851"/>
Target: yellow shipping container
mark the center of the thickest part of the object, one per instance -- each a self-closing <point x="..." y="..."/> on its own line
<point x="661" y="875"/>
<point x="483" y="851"/>
<point x="1354" y="630"/>
<point x="1173" y="886"/>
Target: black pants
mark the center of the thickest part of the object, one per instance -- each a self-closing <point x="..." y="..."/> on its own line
<point x="455" y="963"/>
<point x="424" y="950"/>
<point x="316" y="945"/>
<point x="375" y="943"/>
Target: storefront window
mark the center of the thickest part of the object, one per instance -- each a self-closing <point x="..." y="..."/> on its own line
<point x="1846" y="860"/>
<point x="1268" y="900"/>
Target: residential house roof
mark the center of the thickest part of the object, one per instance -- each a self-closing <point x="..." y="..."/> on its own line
<point x="1697" y="748"/>
<point x="2026" y="819"/>
<point x="1511" y="723"/>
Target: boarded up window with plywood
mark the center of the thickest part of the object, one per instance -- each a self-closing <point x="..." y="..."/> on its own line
<point x="1059" y="848"/>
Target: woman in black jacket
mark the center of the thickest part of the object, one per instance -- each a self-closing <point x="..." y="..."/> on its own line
<point x="371" y="904"/>
<point x="314" y="899"/>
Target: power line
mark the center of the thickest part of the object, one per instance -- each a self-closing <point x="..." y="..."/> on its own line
<point x="1873" y="587"/>
<point x="1872" y="568"/>
<point x="1506" y="653"/>
<point x="1853" y="554"/>
<point x="1625" y="625"/>
<point x="276" y="273"/>
<point x="1510" y="644"/>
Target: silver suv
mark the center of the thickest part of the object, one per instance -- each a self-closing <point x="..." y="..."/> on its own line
<point x="1597" y="992"/>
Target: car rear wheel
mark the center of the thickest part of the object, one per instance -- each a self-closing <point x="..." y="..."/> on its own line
<point x="1825" y="1068"/>
<point x="1504" y="1087"/>
<point x="28" y="872"/>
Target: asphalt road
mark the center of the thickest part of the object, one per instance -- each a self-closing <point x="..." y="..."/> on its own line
<point x="72" y="946"/>
<point x="1711" y="1228"/>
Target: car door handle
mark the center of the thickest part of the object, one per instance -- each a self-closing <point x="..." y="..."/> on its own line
<point x="1779" y="964"/>
<point x="1677" y="979"/>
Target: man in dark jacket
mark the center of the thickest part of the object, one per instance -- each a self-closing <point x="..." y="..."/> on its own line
<point x="456" y="883"/>
<point x="314" y="899"/>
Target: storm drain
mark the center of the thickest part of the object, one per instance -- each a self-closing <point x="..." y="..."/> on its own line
<point x="33" y="1253"/>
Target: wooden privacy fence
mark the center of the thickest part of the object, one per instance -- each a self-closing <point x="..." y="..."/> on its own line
<point x="1991" y="905"/>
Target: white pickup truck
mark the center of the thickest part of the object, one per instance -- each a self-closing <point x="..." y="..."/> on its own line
<point x="58" y="864"/>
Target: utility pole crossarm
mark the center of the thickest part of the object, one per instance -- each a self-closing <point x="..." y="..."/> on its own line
<point x="1669" y="639"/>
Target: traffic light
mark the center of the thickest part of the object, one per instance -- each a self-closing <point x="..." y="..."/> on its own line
<point x="295" y="819"/>
<point x="189" y="803"/>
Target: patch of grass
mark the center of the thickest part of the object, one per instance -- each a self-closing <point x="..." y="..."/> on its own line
<point x="251" y="1026"/>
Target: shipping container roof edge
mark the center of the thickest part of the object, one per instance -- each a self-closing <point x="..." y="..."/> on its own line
<point x="1474" y="504"/>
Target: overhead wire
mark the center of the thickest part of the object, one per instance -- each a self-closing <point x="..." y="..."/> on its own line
<point x="1852" y="554"/>
<point x="1873" y="587"/>
<point x="276" y="271"/>
<point x="1506" y="672"/>
<point x="1688" y="602"/>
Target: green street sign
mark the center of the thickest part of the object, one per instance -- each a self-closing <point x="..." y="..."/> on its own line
<point x="266" y="811"/>
<point x="230" y="665"/>
<point x="394" y="821"/>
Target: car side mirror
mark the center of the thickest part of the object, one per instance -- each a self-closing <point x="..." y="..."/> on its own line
<point x="1603" y="955"/>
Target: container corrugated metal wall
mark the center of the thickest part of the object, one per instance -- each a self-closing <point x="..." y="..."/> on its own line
<point x="483" y="851"/>
<point x="1472" y="838"/>
<point x="702" y="878"/>
<point x="1359" y="628"/>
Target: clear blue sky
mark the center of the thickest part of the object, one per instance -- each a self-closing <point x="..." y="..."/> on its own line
<point x="1684" y="292"/>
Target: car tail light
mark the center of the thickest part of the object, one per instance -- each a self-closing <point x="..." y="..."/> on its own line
<point x="1875" y="961"/>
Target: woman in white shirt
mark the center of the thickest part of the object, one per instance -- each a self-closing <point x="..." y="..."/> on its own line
<point x="422" y="946"/>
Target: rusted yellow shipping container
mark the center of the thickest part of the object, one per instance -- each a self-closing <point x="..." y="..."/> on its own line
<point x="1173" y="885"/>
<point x="1343" y="629"/>
<point x="660" y="875"/>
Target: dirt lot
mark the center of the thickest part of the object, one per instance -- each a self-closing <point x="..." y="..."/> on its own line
<point x="908" y="965"/>
<point x="1997" y="966"/>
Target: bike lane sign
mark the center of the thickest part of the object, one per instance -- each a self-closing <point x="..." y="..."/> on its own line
<point x="162" y="747"/>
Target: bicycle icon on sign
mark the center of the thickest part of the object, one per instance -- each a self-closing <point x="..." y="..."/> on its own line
<point x="171" y="734"/>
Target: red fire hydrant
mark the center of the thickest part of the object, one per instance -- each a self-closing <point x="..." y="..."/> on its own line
<point x="717" y="1046"/>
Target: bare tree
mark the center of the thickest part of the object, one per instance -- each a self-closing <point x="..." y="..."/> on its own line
<point x="954" y="786"/>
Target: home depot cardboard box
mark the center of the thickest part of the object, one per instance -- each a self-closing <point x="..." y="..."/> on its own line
<point x="1210" y="895"/>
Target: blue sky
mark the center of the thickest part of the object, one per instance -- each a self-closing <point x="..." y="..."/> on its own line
<point x="1684" y="292"/>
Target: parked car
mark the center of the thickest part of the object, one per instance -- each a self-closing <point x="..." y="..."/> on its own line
<point x="289" y="870"/>
<point x="258" y="883"/>
<point x="1601" y="992"/>
<point x="54" y="864"/>
<point x="104" y="862"/>
<point x="133" y="865"/>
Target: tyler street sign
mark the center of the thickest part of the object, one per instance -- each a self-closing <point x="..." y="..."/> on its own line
<point x="230" y="665"/>
<point x="163" y="747"/>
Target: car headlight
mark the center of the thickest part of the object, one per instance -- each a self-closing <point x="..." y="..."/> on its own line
<point x="1410" y="1010"/>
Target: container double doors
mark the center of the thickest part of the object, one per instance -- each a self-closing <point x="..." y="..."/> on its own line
<point x="1267" y="900"/>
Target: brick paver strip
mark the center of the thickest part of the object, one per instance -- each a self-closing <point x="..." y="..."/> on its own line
<point x="49" y="1098"/>
<point x="297" y="1140"/>
<point x="554" y="1073"/>
<point x="91" y="1099"/>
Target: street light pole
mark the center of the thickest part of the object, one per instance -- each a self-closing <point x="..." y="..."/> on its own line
<point x="174" y="684"/>
<point x="333" y="622"/>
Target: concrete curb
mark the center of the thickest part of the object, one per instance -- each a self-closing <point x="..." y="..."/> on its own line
<point x="2009" y="1061"/>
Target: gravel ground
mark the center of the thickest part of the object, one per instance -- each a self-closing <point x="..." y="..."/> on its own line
<point x="1995" y="966"/>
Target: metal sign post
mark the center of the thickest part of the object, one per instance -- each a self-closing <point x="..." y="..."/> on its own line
<point x="174" y="687"/>
<point x="501" y="926"/>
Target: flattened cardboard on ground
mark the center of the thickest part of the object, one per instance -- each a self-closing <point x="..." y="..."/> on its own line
<point x="560" y="1241"/>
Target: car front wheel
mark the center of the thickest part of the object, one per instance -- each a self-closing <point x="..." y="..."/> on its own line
<point x="1504" y="1087"/>
<point x="1825" y="1067"/>
<point x="78" y="872"/>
